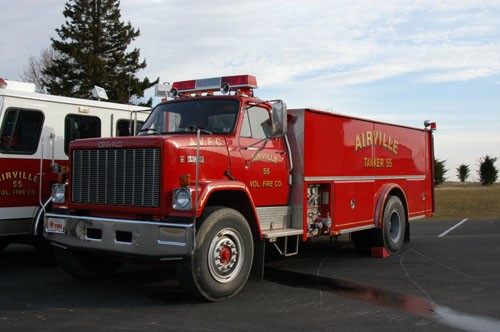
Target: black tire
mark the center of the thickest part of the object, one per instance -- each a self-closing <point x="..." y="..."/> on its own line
<point x="392" y="234"/>
<point x="222" y="258"/>
<point x="86" y="266"/>
<point x="362" y="241"/>
<point x="3" y="244"/>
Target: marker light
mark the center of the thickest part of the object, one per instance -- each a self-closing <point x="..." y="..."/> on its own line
<point x="224" y="84"/>
<point x="430" y="125"/>
<point x="185" y="180"/>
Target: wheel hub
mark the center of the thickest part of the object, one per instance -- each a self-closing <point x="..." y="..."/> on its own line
<point x="225" y="256"/>
<point x="395" y="226"/>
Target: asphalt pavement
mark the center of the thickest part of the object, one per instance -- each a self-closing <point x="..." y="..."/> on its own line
<point x="445" y="279"/>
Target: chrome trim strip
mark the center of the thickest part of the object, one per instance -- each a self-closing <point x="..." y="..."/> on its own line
<point x="361" y="228"/>
<point x="364" y="178"/>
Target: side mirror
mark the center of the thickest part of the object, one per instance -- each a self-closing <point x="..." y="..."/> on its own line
<point x="279" y="119"/>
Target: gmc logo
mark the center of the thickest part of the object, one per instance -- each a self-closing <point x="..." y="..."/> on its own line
<point x="105" y="144"/>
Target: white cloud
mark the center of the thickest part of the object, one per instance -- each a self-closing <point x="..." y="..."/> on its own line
<point x="346" y="43"/>
<point x="458" y="75"/>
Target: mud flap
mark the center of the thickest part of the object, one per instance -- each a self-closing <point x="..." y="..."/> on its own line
<point x="407" y="233"/>
<point x="257" y="272"/>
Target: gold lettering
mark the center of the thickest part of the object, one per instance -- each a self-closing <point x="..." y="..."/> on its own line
<point x="266" y="157"/>
<point x="267" y="184"/>
<point x="369" y="138"/>
<point x="395" y="147"/>
<point x="207" y="141"/>
<point x="359" y="146"/>
<point x="374" y="162"/>
<point x="374" y="138"/>
<point x="254" y="184"/>
<point x="18" y="176"/>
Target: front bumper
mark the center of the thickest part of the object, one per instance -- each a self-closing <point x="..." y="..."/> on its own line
<point x="151" y="240"/>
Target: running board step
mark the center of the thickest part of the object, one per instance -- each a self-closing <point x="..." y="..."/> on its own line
<point x="275" y="233"/>
<point x="282" y="244"/>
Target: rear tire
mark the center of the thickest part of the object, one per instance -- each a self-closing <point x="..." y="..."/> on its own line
<point x="222" y="259"/>
<point x="86" y="266"/>
<point x="392" y="234"/>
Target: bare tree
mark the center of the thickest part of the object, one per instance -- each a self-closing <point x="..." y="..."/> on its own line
<point x="33" y="72"/>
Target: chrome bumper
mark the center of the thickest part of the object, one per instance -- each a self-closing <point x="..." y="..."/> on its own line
<point x="155" y="240"/>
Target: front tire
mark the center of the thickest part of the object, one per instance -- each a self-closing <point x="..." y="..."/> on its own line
<point x="222" y="259"/>
<point x="86" y="266"/>
<point x="392" y="234"/>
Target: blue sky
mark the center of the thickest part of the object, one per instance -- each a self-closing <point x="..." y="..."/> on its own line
<point x="397" y="61"/>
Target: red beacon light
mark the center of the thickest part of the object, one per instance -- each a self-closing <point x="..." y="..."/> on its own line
<point x="430" y="125"/>
<point x="3" y="83"/>
<point x="241" y="84"/>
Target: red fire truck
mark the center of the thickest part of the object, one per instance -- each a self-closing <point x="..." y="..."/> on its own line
<point x="213" y="179"/>
<point x="35" y="131"/>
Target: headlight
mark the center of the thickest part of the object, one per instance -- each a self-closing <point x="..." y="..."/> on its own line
<point x="182" y="199"/>
<point x="59" y="193"/>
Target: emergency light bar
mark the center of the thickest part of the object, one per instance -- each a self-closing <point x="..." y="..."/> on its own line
<point x="242" y="83"/>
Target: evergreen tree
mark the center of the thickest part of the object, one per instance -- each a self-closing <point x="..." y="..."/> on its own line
<point x="488" y="173"/>
<point x="439" y="171"/>
<point x="463" y="172"/>
<point x="92" y="50"/>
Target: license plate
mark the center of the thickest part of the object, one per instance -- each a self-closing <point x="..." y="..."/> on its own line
<point x="55" y="225"/>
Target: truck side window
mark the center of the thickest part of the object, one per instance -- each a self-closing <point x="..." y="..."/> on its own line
<point x="256" y="123"/>
<point x="80" y="126"/>
<point x="21" y="130"/>
<point x="125" y="127"/>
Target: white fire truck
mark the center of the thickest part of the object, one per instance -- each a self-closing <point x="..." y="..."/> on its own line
<point x="35" y="132"/>
<point x="212" y="179"/>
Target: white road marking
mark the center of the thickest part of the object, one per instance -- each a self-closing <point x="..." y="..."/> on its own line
<point x="452" y="228"/>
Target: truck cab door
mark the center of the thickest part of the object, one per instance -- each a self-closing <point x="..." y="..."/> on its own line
<point x="265" y="168"/>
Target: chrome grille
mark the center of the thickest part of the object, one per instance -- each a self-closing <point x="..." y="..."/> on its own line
<point x="125" y="177"/>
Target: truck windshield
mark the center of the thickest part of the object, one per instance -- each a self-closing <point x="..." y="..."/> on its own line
<point x="212" y="116"/>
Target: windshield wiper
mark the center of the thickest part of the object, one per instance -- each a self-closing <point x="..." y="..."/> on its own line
<point x="195" y="128"/>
